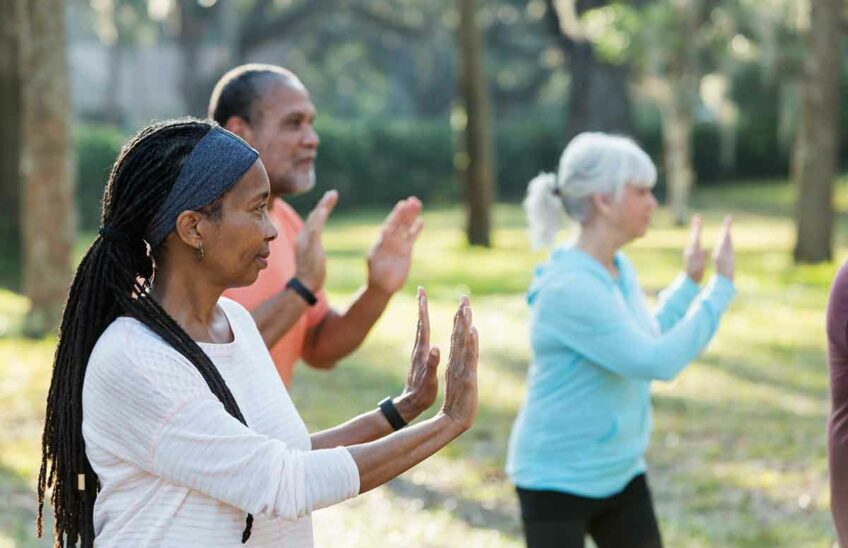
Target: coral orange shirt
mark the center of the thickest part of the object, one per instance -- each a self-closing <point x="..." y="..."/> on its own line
<point x="271" y="280"/>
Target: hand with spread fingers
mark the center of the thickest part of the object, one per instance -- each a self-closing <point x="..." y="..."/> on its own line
<point x="723" y="254"/>
<point x="460" y="403"/>
<point x="422" y="383"/>
<point x="309" y="251"/>
<point x="391" y="256"/>
<point x="694" y="256"/>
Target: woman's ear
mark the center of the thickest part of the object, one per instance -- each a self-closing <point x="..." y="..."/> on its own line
<point x="189" y="228"/>
<point x="602" y="203"/>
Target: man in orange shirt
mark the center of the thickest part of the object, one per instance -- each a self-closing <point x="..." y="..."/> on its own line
<point x="270" y="108"/>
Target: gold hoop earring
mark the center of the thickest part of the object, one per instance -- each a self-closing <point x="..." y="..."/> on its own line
<point x="199" y="254"/>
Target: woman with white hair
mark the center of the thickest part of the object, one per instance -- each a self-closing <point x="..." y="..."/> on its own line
<point x="576" y="453"/>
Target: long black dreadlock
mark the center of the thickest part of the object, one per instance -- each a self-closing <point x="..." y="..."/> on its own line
<point x="114" y="279"/>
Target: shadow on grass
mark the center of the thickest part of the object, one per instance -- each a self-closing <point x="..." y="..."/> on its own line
<point x="746" y="475"/>
<point x="470" y="511"/>
<point x="807" y="360"/>
<point x="735" y="417"/>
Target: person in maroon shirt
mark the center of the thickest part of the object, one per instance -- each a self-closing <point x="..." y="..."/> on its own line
<point x="837" y="428"/>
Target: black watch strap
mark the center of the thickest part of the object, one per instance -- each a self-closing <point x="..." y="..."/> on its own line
<point x="297" y="286"/>
<point x="391" y="413"/>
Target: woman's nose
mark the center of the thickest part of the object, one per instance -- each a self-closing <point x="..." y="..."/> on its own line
<point x="270" y="230"/>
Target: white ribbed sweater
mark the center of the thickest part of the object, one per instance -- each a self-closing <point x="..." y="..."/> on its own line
<point x="176" y="469"/>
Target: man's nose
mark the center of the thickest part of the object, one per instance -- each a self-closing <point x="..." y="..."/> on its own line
<point x="310" y="138"/>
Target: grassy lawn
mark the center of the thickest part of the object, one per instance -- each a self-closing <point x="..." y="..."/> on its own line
<point x="738" y="452"/>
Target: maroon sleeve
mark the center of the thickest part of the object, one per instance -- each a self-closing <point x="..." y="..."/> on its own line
<point x="837" y="351"/>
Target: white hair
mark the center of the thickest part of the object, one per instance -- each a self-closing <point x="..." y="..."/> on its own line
<point x="592" y="163"/>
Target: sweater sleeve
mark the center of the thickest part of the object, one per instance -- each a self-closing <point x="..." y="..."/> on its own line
<point x="837" y="438"/>
<point x="674" y="301"/>
<point x="147" y="405"/>
<point x="205" y="448"/>
<point x="593" y="320"/>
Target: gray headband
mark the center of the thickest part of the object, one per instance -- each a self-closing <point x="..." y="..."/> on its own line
<point x="217" y="162"/>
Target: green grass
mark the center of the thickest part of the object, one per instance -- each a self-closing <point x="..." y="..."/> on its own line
<point x="738" y="453"/>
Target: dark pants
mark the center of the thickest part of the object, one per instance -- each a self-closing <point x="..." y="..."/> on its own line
<point x="553" y="519"/>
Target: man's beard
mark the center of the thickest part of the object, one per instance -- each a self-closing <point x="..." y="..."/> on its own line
<point x="301" y="184"/>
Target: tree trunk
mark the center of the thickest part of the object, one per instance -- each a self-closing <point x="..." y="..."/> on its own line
<point x="194" y="89"/>
<point x="677" y="152"/>
<point x="677" y="107"/>
<point x="49" y="226"/>
<point x="599" y="98"/>
<point x="479" y="171"/>
<point x="816" y="148"/>
<point x="10" y="141"/>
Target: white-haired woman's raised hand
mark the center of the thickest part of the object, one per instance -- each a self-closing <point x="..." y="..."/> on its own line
<point x="723" y="254"/>
<point x="461" y="375"/>
<point x="694" y="256"/>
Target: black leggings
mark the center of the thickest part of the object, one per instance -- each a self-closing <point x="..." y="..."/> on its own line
<point x="553" y="519"/>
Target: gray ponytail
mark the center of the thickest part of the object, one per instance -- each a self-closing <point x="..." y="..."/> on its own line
<point x="544" y="208"/>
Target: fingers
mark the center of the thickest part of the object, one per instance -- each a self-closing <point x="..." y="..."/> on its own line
<point x="727" y="224"/>
<point x="318" y="216"/>
<point x="460" y="319"/>
<point x="404" y="215"/>
<point x="724" y="240"/>
<point x="422" y="337"/>
<point x="473" y="350"/>
<point x="461" y="325"/>
<point x="391" y="219"/>
<point x="410" y="211"/>
<point x="415" y="229"/>
<point x="695" y="232"/>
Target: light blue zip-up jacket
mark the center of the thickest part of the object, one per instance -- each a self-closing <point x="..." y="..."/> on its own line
<point x="586" y="420"/>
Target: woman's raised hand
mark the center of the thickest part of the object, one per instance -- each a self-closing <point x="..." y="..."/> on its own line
<point x="723" y="254"/>
<point x="422" y="383"/>
<point x="460" y="403"/>
<point x="694" y="256"/>
<point x="382" y="459"/>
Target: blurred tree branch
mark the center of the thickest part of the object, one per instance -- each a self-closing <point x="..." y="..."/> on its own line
<point x="386" y="19"/>
<point x="265" y="23"/>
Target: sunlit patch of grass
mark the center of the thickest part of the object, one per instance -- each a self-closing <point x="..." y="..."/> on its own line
<point x="25" y="367"/>
<point x="12" y="310"/>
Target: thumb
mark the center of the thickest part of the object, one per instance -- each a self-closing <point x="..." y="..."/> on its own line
<point x="725" y="239"/>
<point x="318" y="216"/>
<point x="433" y="359"/>
<point x="728" y="224"/>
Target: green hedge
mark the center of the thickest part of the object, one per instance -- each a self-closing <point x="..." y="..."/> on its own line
<point x="382" y="162"/>
<point x="97" y="148"/>
<point x="379" y="162"/>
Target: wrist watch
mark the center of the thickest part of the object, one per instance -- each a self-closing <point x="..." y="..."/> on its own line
<point x="391" y="413"/>
<point x="297" y="286"/>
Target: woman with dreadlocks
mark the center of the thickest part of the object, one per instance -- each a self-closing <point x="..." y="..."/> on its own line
<point x="166" y="422"/>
